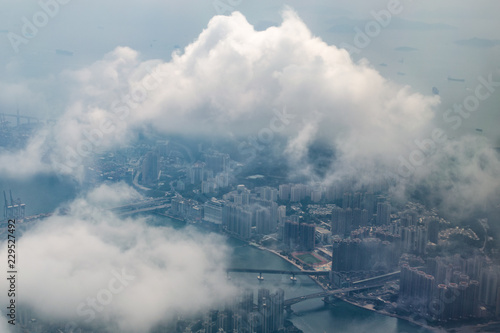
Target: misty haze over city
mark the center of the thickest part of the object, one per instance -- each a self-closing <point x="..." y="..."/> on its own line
<point x="236" y="166"/>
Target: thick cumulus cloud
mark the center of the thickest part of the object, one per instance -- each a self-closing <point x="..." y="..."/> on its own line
<point x="112" y="195"/>
<point x="460" y="177"/>
<point x="89" y="268"/>
<point x="236" y="81"/>
<point x="232" y="81"/>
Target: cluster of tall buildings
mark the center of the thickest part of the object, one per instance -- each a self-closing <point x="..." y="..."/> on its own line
<point x="367" y="254"/>
<point x="378" y="247"/>
<point x="299" y="192"/>
<point x="299" y="236"/>
<point x="243" y="315"/>
<point x="408" y="234"/>
<point x="345" y="219"/>
<point x="237" y="220"/>
<point x="246" y="210"/>
<point x="451" y="288"/>
<point x="358" y="210"/>
<point x="333" y="193"/>
<point x="186" y="208"/>
<point x="368" y="236"/>
<point x="245" y="213"/>
<point x="211" y="174"/>
<point x="241" y="212"/>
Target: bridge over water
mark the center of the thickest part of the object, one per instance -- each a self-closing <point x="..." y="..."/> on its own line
<point x="276" y="271"/>
<point x="18" y="118"/>
<point x="289" y="302"/>
<point x="141" y="206"/>
<point x="370" y="283"/>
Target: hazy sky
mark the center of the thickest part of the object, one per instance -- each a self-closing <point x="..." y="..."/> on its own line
<point x="90" y="29"/>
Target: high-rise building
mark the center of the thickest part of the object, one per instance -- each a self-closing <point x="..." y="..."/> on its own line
<point x="316" y="195"/>
<point x="291" y="234"/>
<point x="284" y="192"/>
<point x="150" y="168"/>
<point x="197" y="172"/>
<point x="281" y="214"/>
<point x="237" y="220"/>
<point x="222" y="179"/>
<point x="347" y="200"/>
<point x="208" y="186"/>
<point x="342" y="221"/>
<point x="244" y="223"/>
<point x="217" y="162"/>
<point x="263" y="221"/>
<point x="433" y="229"/>
<point x="351" y="255"/>
<point x="268" y="193"/>
<point x="296" y="193"/>
<point x="213" y="211"/>
<point x="307" y="236"/>
<point x="277" y="310"/>
<point x="356" y="200"/>
<point x="489" y="285"/>
<point x="369" y="202"/>
<point x="333" y="192"/>
<point x="383" y="213"/>
<point x="223" y="322"/>
<point x="229" y="217"/>
<point x="270" y="307"/>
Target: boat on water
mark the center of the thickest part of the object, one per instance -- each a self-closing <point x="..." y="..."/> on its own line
<point x="455" y="79"/>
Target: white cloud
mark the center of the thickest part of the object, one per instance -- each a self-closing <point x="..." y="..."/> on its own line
<point x="228" y="82"/>
<point x="68" y="260"/>
<point x="461" y="177"/>
<point x="112" y="195"/>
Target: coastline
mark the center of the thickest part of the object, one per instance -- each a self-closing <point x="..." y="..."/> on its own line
<point x="338" y="297"/>
<point x="289" y="261"/>
<point x="430" y="328"/>
<point x="172" y="217"/>
<point x="416" y="323"/>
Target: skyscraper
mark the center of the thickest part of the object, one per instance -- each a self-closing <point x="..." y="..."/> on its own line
<point x="197" y="172"/>
<point x="383" y="213"/>
<point x="150" y="168"/>
<point x="307" y="235"/>
<point x="217" y="162"/>
<point x="284" y="192"/>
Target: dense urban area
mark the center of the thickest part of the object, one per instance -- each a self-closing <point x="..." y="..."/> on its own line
<point x="361" y="247"/>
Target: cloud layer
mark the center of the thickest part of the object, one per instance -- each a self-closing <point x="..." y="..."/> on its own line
<point x="229" y="81"/>
<point x="234" y="81"/>
<point x="89" y="267"/>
